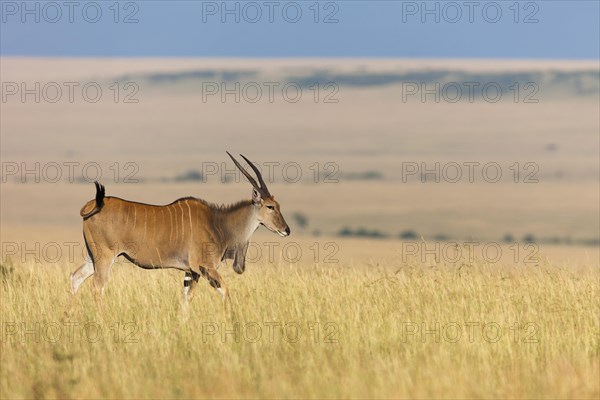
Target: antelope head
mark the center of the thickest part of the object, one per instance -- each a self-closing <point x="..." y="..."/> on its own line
<point x="269" y="212"/>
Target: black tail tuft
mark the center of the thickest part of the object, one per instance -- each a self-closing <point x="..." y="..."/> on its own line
<point x="100" y="193"/>
<point x="90" y="208"/>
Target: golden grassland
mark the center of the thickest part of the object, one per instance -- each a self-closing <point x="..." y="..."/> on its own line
<point x="392" y="329"/>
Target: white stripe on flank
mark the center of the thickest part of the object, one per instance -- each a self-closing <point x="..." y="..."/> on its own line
<point x="162" y="225"/>
<point x="182" y="230"/>
<point x="170" y="224"/>
<point x="191" y="227"/>
<point x="159" y="259"/>
<point x="174" y="224"/>
<point x="154" y="222"/>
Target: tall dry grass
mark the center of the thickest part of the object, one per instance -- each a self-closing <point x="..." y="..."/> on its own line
<point x="392" y="330"/>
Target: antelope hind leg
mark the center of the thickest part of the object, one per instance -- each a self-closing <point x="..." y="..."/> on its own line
<point x="102" y="268"/>
<point x="78" y="276"/>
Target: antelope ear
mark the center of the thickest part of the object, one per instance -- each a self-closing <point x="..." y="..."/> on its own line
<point x="255" y="196"/>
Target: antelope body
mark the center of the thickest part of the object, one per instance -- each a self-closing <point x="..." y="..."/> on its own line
<point x="189" y="234"/>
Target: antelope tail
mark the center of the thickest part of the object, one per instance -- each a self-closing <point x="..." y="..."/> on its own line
<point x="92" y="208"/>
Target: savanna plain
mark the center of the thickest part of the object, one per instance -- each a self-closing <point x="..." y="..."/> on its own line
<point x="376" y="294"/>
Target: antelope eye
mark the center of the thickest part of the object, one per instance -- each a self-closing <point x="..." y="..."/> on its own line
<point x="270" y="207"/>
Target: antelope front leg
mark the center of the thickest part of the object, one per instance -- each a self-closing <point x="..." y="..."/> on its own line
<point x="217" y="282"/>
<point x="189" y="284"/>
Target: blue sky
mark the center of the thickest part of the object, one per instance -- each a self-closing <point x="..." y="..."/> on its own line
<point x="438" y="29"/>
